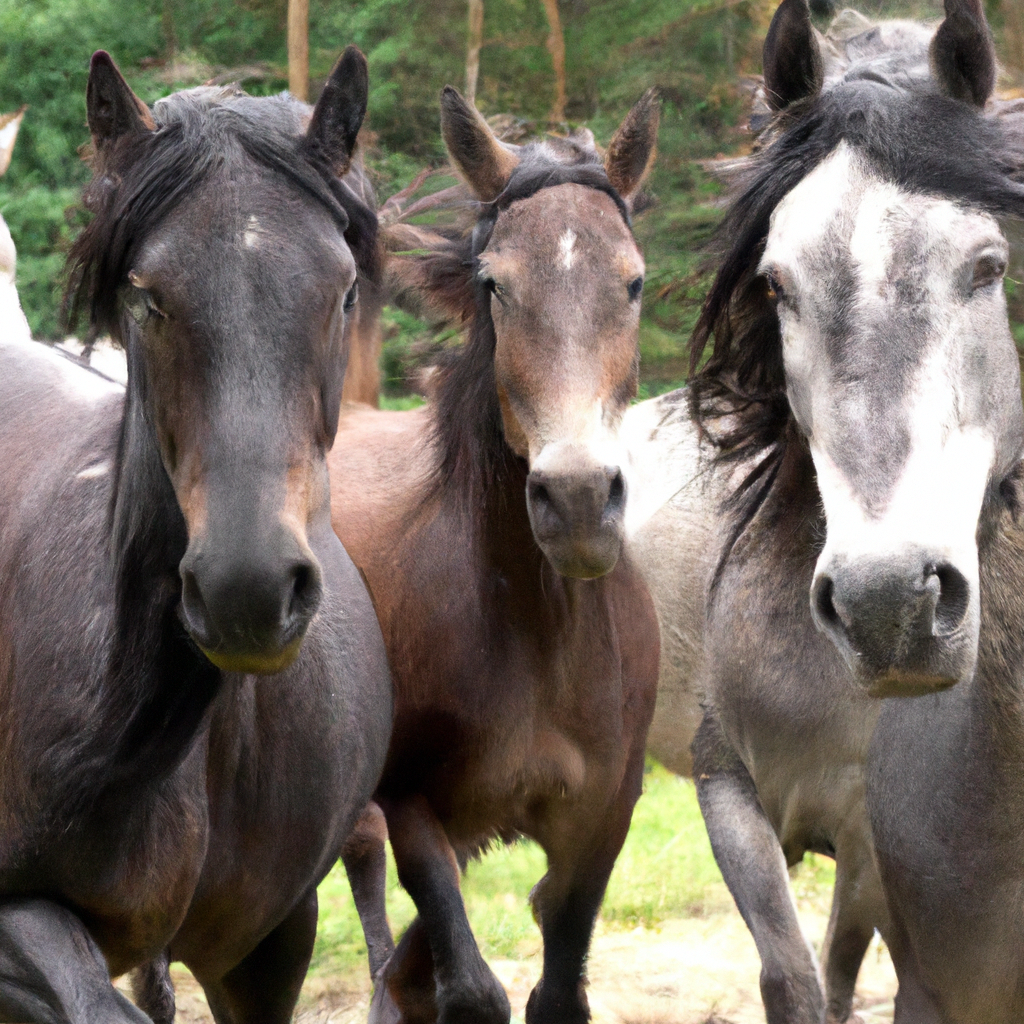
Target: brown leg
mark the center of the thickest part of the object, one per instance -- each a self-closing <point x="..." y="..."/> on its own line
<point x="466" y="990"/>
<point x="567" y="899"/>
<point x="153" y="990"/>
<point x="365" y="863"/>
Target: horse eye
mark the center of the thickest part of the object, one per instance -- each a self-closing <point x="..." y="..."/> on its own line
<point x="634" y="288"/>
<point x="774" y="287"/>
<point x="988" y="270"/>
<point x="351" y="298"/>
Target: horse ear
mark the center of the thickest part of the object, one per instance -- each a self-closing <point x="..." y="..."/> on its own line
<point x="113" y="110"/>
<point x="962" y="55"/>
<point x="9" y="125"/>
<point x="793" y="66"/>
<point x="482" y="161"/>
<point x="338" y="114"/>
<point x="631" y="151"/>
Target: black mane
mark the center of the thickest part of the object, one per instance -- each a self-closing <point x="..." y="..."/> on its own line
<point x="469" y="438"/>
<point x="914" y="137"/>
<point x="147" y="176"/>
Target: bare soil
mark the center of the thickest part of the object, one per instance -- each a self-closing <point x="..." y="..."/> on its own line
<point x="695" y="970"/>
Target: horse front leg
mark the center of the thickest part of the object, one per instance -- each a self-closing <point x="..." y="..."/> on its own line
<point x="858" y="908"/>
<point x="366" y="865"/>
<point x="582" y="849"/>
<point x="465" y="989"/>
<point x="751" y="861"/>
<point x="52" y="972"/>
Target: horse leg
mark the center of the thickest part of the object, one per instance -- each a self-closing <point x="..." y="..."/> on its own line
<point x="466" y="990"/>
<point x="265" y="986"/>
<point x="366" y="865"/>
<point x="51" y="971"/>
<point x="751" y="861"/>
<point x="858" y="907"/>
<point x="153" y="990"/>
<point x="567" y="899"/>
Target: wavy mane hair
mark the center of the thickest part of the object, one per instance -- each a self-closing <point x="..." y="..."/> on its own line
<point x="915" y="138"/>
<point x="468" y="436"/>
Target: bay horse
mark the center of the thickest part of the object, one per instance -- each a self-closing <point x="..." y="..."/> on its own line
<point x="195" y="697"/>
<point x="489" y="526"/>
<point x="862" y="403"/>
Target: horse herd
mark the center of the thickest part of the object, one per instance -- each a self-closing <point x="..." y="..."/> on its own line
<point x="247" y="628"/>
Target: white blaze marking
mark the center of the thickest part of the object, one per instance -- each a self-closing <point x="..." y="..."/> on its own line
<point x="565" y="246"/>
<point x="251" y="237"/>
<point x="97" y="469"/>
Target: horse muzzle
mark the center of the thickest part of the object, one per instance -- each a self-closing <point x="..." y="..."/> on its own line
<point x="577" y="517"/>
<point x="250" y="614"/>
<point x="906" y="624"/>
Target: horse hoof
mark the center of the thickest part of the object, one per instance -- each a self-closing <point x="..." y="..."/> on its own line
<point x="481" y="1007"/>
<point x="571" y="1008"/>
<point x="382" y="1007"/>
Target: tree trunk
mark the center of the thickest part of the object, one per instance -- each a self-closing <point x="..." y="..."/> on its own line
<point x="476" y="39"/>
<point x="298" y="49"/>
<point x="1013" y="32"/>
<point x="556" y="47"/>
<point x="169" y="34"/>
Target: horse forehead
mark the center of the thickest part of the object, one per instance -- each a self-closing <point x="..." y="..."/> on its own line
<point x="845" y="213"/>
<point x="564" y="226"/>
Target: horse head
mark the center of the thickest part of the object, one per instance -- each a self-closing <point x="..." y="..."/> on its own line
<point x="559" y="276"/>
<point x="877" y="282"/>
<point x="221" y="257"/>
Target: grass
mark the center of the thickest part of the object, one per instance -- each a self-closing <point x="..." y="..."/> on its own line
<point x="665" y="871"/>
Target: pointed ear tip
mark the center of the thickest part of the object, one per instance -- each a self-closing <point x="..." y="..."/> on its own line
<point x="101" y="59"/>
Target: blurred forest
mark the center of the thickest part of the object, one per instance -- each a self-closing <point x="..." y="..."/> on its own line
<point x="701" y="54"/>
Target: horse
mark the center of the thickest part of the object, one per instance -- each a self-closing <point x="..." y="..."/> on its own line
<point x="195" y="701"/>
<point x="862" y="405"/>
<point x="12" y="319"/>
<point x="488" y="524"/>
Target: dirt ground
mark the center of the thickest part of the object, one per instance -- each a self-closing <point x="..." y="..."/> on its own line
<point x="697" y="970"/>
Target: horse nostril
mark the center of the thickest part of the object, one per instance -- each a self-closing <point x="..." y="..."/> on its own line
<point x="617" y="491"/>
<point x="824" y="604"/>
<point x="539" y="494"/>
<point x="197" y="616"/>
<point x="305" y="593"/>
<point x="953" y="599"/>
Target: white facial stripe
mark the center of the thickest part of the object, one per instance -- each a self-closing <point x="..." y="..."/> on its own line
<point x="588" y="433"/>
<point x="251" y="235"/>
<point x="871" y="240"/>
<point x="566" y="245"/>
<point x="93" y="472"/>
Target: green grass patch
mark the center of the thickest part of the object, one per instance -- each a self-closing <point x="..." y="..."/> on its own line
<point x="665" y="870"/>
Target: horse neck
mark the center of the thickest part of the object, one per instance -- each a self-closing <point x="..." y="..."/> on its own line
<point x="998" y="687"/>
<point x="159" y="685"/>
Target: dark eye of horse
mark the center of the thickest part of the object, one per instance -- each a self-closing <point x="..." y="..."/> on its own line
<point x="351" y="298"/>
<point x="988" y="270"/>
<point x="142" y="306"/>
<point x="634" y="288"/>
<point x="775" y="291"/>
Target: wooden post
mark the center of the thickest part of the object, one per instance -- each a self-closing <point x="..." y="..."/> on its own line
<point x="298" y="49"/>
<point x="556" y="47"/>
<point x="475" y="41"/>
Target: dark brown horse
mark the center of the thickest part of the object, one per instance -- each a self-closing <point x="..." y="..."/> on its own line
<point x="489" y="526"/>
<point x="160" y="545"/>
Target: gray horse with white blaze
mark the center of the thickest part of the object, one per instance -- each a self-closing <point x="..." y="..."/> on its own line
<point x="863" y="398"/>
